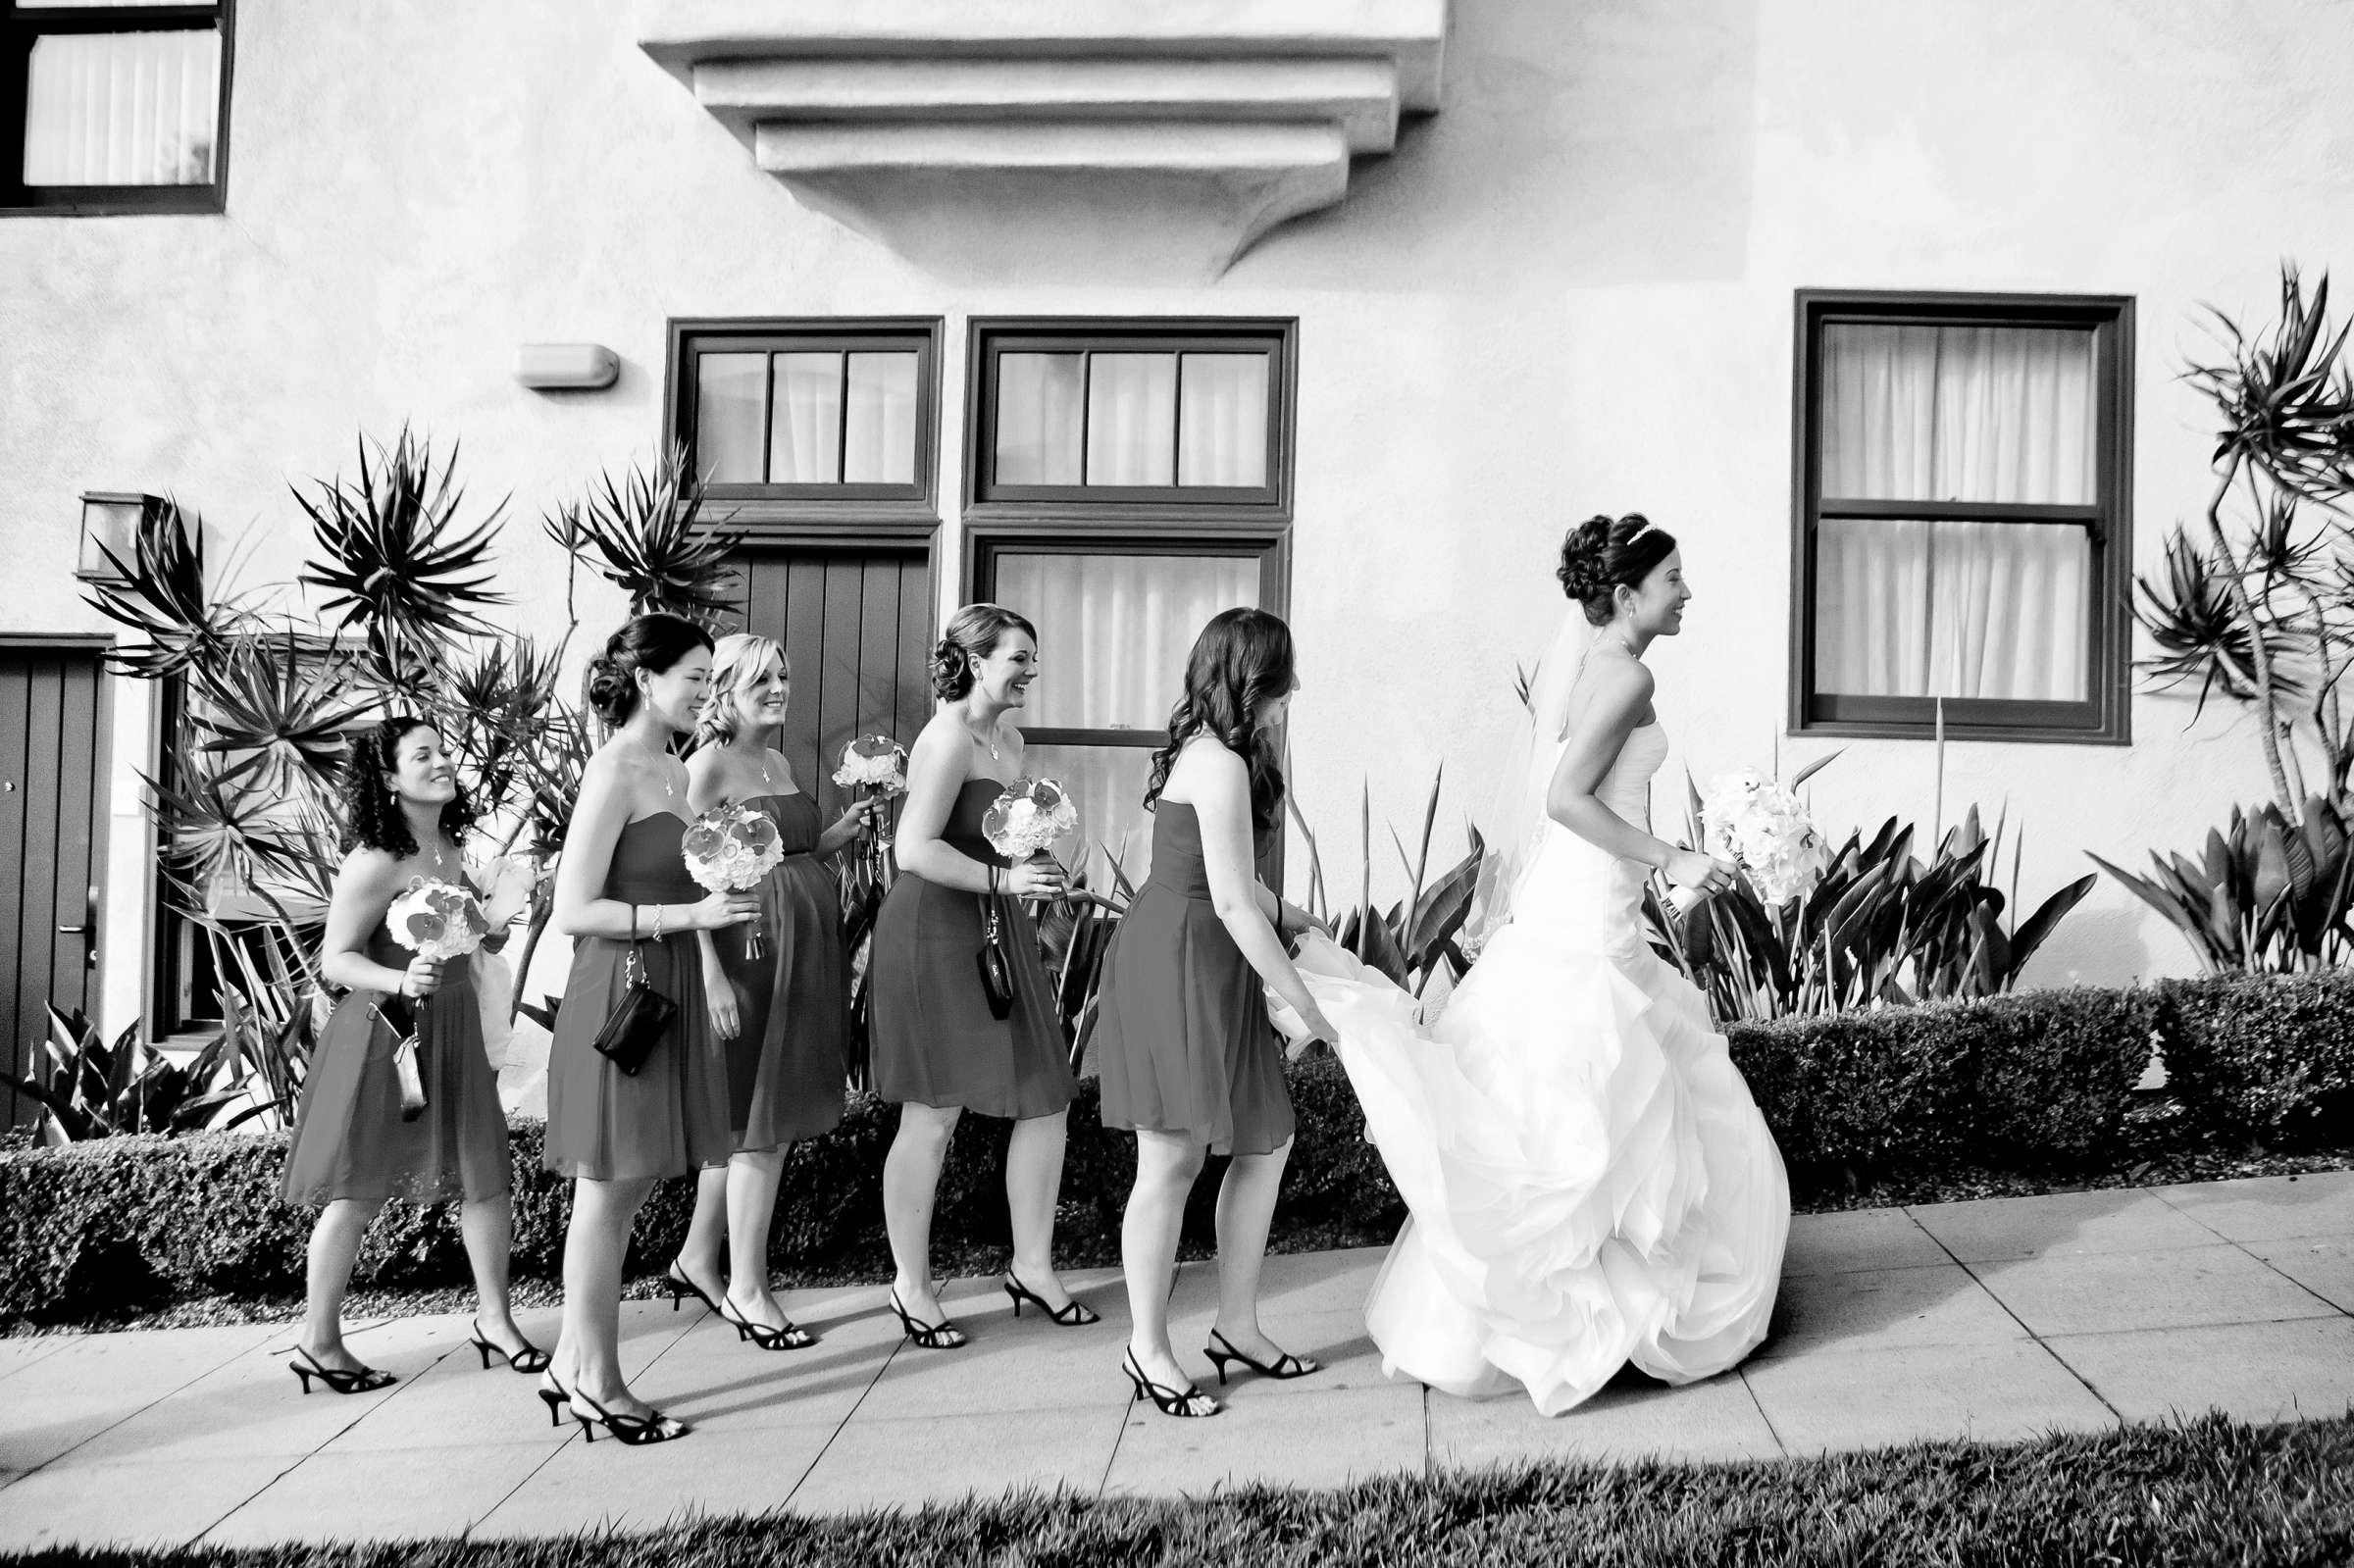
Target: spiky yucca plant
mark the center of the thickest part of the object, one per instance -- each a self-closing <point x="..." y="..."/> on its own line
<point x="651" y="541"/>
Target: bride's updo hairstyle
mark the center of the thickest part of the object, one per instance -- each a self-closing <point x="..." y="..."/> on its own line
<point x="974" y="632"/>
<point x="1242" y="659"/>
<point x="649" y="642"/>
<point x="1603" y="554"/>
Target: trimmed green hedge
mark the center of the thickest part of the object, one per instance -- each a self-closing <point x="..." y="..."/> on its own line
<point x="2038" y="1082"/>
<point x="2266" y="1057"/>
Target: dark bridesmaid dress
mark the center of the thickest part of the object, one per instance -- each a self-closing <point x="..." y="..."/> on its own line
<point x="933" y="1040"/>
<point x="1181" y="1025"/>
<point x="672" y="1116"/>
<point x="784" y="1065"/>
<point x="350" y="1140"/>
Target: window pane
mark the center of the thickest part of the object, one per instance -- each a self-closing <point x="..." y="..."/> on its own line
<point x="1114" y="630"/>
<point x="881" y="449"/>
<point x="1913" y="609"/>
<point x="1958" y="414"/>
<point x="1038" y="417"/>
<point x="1223" y="438"/>
<point x="731" y="406"/>
<point x="805" y="438"/>
<point x="121" y="108"/>
<point x="1132" y="419"/>
<point x="1107" y="785"/>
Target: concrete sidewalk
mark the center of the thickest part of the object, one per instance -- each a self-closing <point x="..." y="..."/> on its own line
<point x="1999" y="1319"/>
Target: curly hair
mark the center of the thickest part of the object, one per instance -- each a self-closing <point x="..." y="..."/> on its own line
<point x="740" y="658"/>
<point x="974" y="632"/>
<point x="1242" y="659"/>
<point x="653" y="643"/>
<point x="372" y="814"/>
<point x="1603" y="554"/>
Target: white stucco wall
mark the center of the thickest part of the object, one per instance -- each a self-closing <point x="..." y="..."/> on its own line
<point x="1570" y="291"/>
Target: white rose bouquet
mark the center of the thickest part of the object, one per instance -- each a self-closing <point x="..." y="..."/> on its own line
<point x="1027" y="818"/>
<point x="438" y="920"/>
<point x="1750" y="820"/>
<point x="876" y="765"/>
<point x="733" y="849"/>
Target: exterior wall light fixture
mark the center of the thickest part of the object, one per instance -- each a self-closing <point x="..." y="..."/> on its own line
<point x="110" y="521"/>
<point x="566" y="367"/>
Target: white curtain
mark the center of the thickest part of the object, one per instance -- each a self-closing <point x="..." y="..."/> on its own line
<point x="880" y="446"/>
<point x="1113" y="634"/>
<point x="121" y="108"/>
<point x="730" y="408"/>
<point x="1958" y="609"/>
<point x="1145" y="425"/>
<point x="804" y="418"/>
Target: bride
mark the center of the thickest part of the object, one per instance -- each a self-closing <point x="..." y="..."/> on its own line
<point x="1587" y="1179"/>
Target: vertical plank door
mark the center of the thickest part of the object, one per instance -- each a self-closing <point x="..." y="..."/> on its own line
<point x="52" y="766"/>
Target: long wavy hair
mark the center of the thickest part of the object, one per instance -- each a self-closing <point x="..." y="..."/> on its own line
<point x="1240" y="660"/>
<point x="738" y="660"/>
<point x="372" y="816"/>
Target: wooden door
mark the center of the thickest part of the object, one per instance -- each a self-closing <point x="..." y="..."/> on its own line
<point x="52" y="767"/>
<point x="856" y="624"/>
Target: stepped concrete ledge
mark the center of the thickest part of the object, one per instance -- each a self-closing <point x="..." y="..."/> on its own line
<point x="2000" y="1319"/>
<point x="1145" y="139"/>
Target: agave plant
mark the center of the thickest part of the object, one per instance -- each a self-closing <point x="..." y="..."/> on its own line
<point x="2260" y="610"/>
<point x="648" y="531"/>
<point x="91" y="1087"/>
<point x="161" y="594"/>
<point x="2265" y="894"/>
<point x="1882" y="928"/>
<point x="396" y="562"/>
<point x="276" y="713"/>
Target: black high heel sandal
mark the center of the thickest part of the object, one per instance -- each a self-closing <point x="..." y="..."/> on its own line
<point x="1071" y="1314"/>
<point x="530" y="1359"/>
<point x="940" y="1336"/>
<point x="1185" y="1401"/>
<point x="681" y="1288"/>
<point x="633" y="1432"/>
<point x="792" y="1337"/>
<point x="1285" y="1366"/>
<point x="554" y="1395"/>
<point x="362" y="1380"/>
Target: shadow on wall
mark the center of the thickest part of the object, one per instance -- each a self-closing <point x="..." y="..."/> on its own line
<point x="2095" y="946"/>
<point x="1601" y="142"/>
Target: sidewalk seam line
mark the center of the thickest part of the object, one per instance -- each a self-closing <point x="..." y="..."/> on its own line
<point x="818" y="1458"/>
<point x="2034" y="1338"/>
<point x="176" y="1389"/>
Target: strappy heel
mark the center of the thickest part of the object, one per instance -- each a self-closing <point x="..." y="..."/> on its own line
<point x="681" y="1288"/>
<point x="530" y="1359"/>
<point x="1285" y="1366"/>
<point x="359" y="1380"/>
<point x="554" y="1395"/>
<point x="1185" y="1401"/>
<point x="792" y="1337"/>
<point x="633" y="1432"/>
<point x="1071" y="1315"/>
<point x="940" y="1336"/>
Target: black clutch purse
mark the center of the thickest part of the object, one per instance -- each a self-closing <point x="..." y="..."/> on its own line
<point x="997" y="970"/>
<point x="639" y="1019"/>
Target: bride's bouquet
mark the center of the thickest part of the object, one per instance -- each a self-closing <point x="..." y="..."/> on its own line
<point x="733" y="849"/>
<point x="1754" y="822"/>
<point x="438" y="920"/>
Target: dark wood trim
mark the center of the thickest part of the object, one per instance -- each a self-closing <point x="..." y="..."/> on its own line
<point x="986" y="337"/>
<point x="899" y="508"/>
<point x="19" y="27"/>
<point x="2105" y="717"/>
<point x="76" y="642"/>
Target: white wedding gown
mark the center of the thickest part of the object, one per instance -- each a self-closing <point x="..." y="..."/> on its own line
<point x="1587" y="1179"/>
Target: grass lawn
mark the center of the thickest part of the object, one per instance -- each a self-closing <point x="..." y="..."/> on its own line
<point x="2208" y="1491"/>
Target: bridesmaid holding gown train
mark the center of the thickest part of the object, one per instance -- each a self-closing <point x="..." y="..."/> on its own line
<point x="783" y="1014"/>
<point x="1190" y="1061"/>
<point x="622" y="886"/>
<point x="938" y="1048"/>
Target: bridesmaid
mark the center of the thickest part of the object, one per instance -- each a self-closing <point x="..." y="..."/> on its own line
<point x="1189" y="1059"/>
<point x="783" y="1015"/>
<point x="403" y="815"/>
<point x="623" y="881"/>
<point x="937" y="1049"/>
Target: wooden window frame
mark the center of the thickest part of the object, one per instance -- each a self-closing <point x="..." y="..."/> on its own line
<point x="790" y="513"/>
<point x="1205" y="506"/>
<point x="2105" y="717"/>
<point x="20" y="27"/>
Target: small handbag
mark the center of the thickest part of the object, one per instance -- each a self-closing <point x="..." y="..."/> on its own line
<point x="997" y="970"/>
<point x="638" y="1018"/>
<point x="407" y="1072"/>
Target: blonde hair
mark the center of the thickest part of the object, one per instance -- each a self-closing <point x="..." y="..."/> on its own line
<point x="741" y="656"/>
